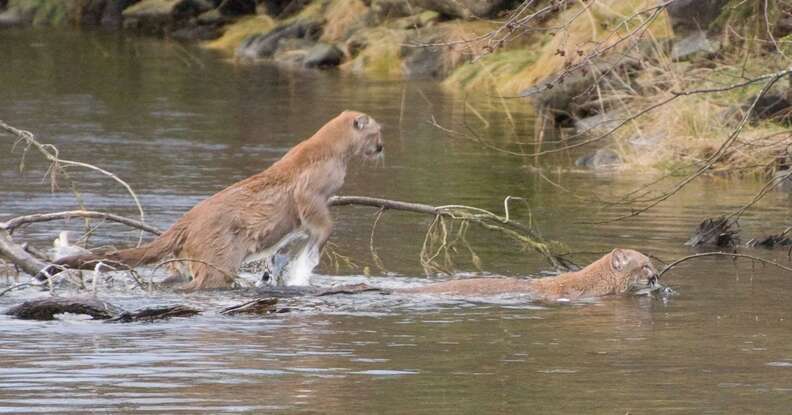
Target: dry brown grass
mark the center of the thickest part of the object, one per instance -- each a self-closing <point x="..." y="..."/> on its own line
<point x="579" y="31"/>
<point x="341" y="16"/>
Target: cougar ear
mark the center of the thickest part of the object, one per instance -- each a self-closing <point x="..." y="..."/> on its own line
<point x="361" y="121"/>
<point x="618" y="259"/>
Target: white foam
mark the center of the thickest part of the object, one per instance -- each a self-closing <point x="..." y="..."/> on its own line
<point x="301" y="267"/>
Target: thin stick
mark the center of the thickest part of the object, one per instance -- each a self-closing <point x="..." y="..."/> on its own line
<point x="11" y="224"/>
<point x="50" y="152"/>
<point x="728" y="254"/>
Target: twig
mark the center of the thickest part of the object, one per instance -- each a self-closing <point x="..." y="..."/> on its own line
<point x="11" y="224"/>
<point x="50" y="152"/>
<point x="728" y="254"/>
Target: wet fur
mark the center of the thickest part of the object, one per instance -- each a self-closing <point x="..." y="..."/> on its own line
<point x="256" y="213"/>
<point x="615" y="273"/>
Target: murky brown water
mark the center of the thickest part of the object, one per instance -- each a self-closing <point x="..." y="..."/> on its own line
<point x="179" y="124"/>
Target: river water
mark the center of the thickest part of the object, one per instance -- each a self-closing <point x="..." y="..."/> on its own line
<point x="179" y="123"/>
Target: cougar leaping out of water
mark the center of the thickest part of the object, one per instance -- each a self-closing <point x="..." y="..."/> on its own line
<point x="260" y="213"/>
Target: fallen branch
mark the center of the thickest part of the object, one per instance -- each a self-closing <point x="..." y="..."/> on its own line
<point x="488" y="220"/>
<point x="50" y="152"/>
<point x="16" y="254"/>
<point x="464" y="214"/>
<point x="11" y="224"/>
<point x="727" y="254"/>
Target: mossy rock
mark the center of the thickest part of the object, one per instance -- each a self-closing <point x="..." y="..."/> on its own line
<point x="238" y="31"/>
<point x="491" y="71"/>
<point x="42" y="12"/>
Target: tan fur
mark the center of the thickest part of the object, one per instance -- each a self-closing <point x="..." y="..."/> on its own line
<point x="615" y="273"/>
<point x="256" y="213"/>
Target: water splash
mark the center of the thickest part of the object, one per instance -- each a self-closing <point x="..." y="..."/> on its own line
<point x="301" y="267"/>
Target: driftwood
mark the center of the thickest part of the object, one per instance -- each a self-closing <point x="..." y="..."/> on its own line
<point x="47" y="308"/>
<point x="18" y="255"/>
<point x="257" y="306"/>
<point x="351" y="289"/>
<point x="146" y="315"/>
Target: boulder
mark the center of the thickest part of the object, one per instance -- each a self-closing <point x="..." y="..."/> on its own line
<point x="282" y="8"/>
<point x="162" y="16"/>
<point x="602" y="159"/>
<point x="695" y="44"/>
<point x="196" y="33"/>
<point x="783" y="180"/>
<point x="264" y="45"/>
<point x="694" y="15"/>
<point x="575" y="94"/>
<point x="599" y="123"/>
<point x="426" y="18"/>
<point x="112" y="17"/>
<point x="15" y="17"/>
<point x="237" y="7"/>
<point x="323" y="55"/>
<point x="647" y="141"/>
<point x="292" y="51"/>
<point x="465" y="9"/>
<point x="382" y="10"/>
<point x="773" y="105"/>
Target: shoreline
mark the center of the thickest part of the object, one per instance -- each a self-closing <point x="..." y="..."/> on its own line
<point x="620" y="73"/>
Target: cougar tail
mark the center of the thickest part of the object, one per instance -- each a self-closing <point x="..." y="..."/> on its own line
<point x="132" y="257"/>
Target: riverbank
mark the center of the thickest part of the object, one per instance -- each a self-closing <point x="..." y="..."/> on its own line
<point x="645" y="86"/>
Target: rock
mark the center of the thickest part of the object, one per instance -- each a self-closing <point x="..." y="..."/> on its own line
<point x="264" y="45"/>
<point x="783" y="27"/>
<point x="112" y="17"/>
<point x="213" y="18"/>
<point x="695" y="44"/>
<point x="323" y="55"/>
<point x="162" y="16"/>
<point x="783" y="181"/>
<point x="89" y="12"/>
<point x="292" y="52"/>
<point x="773" y="105"/>
<point x="237" y="7"/>
<point x="424" y="19"/>
<point x="465" y="9"/>
<point x="382" y="10"/>
<point x="602" y="159"/>
<point x="598" y="123"/>
<point x="574" y="94"/>
<point x="282" y="8"/>
<point x="426" y="61"/>
<point x="15" y="17"/>
<point x="694" y="15"/>
<point x="649" y="141"/>
<point x="194" y="33"/>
